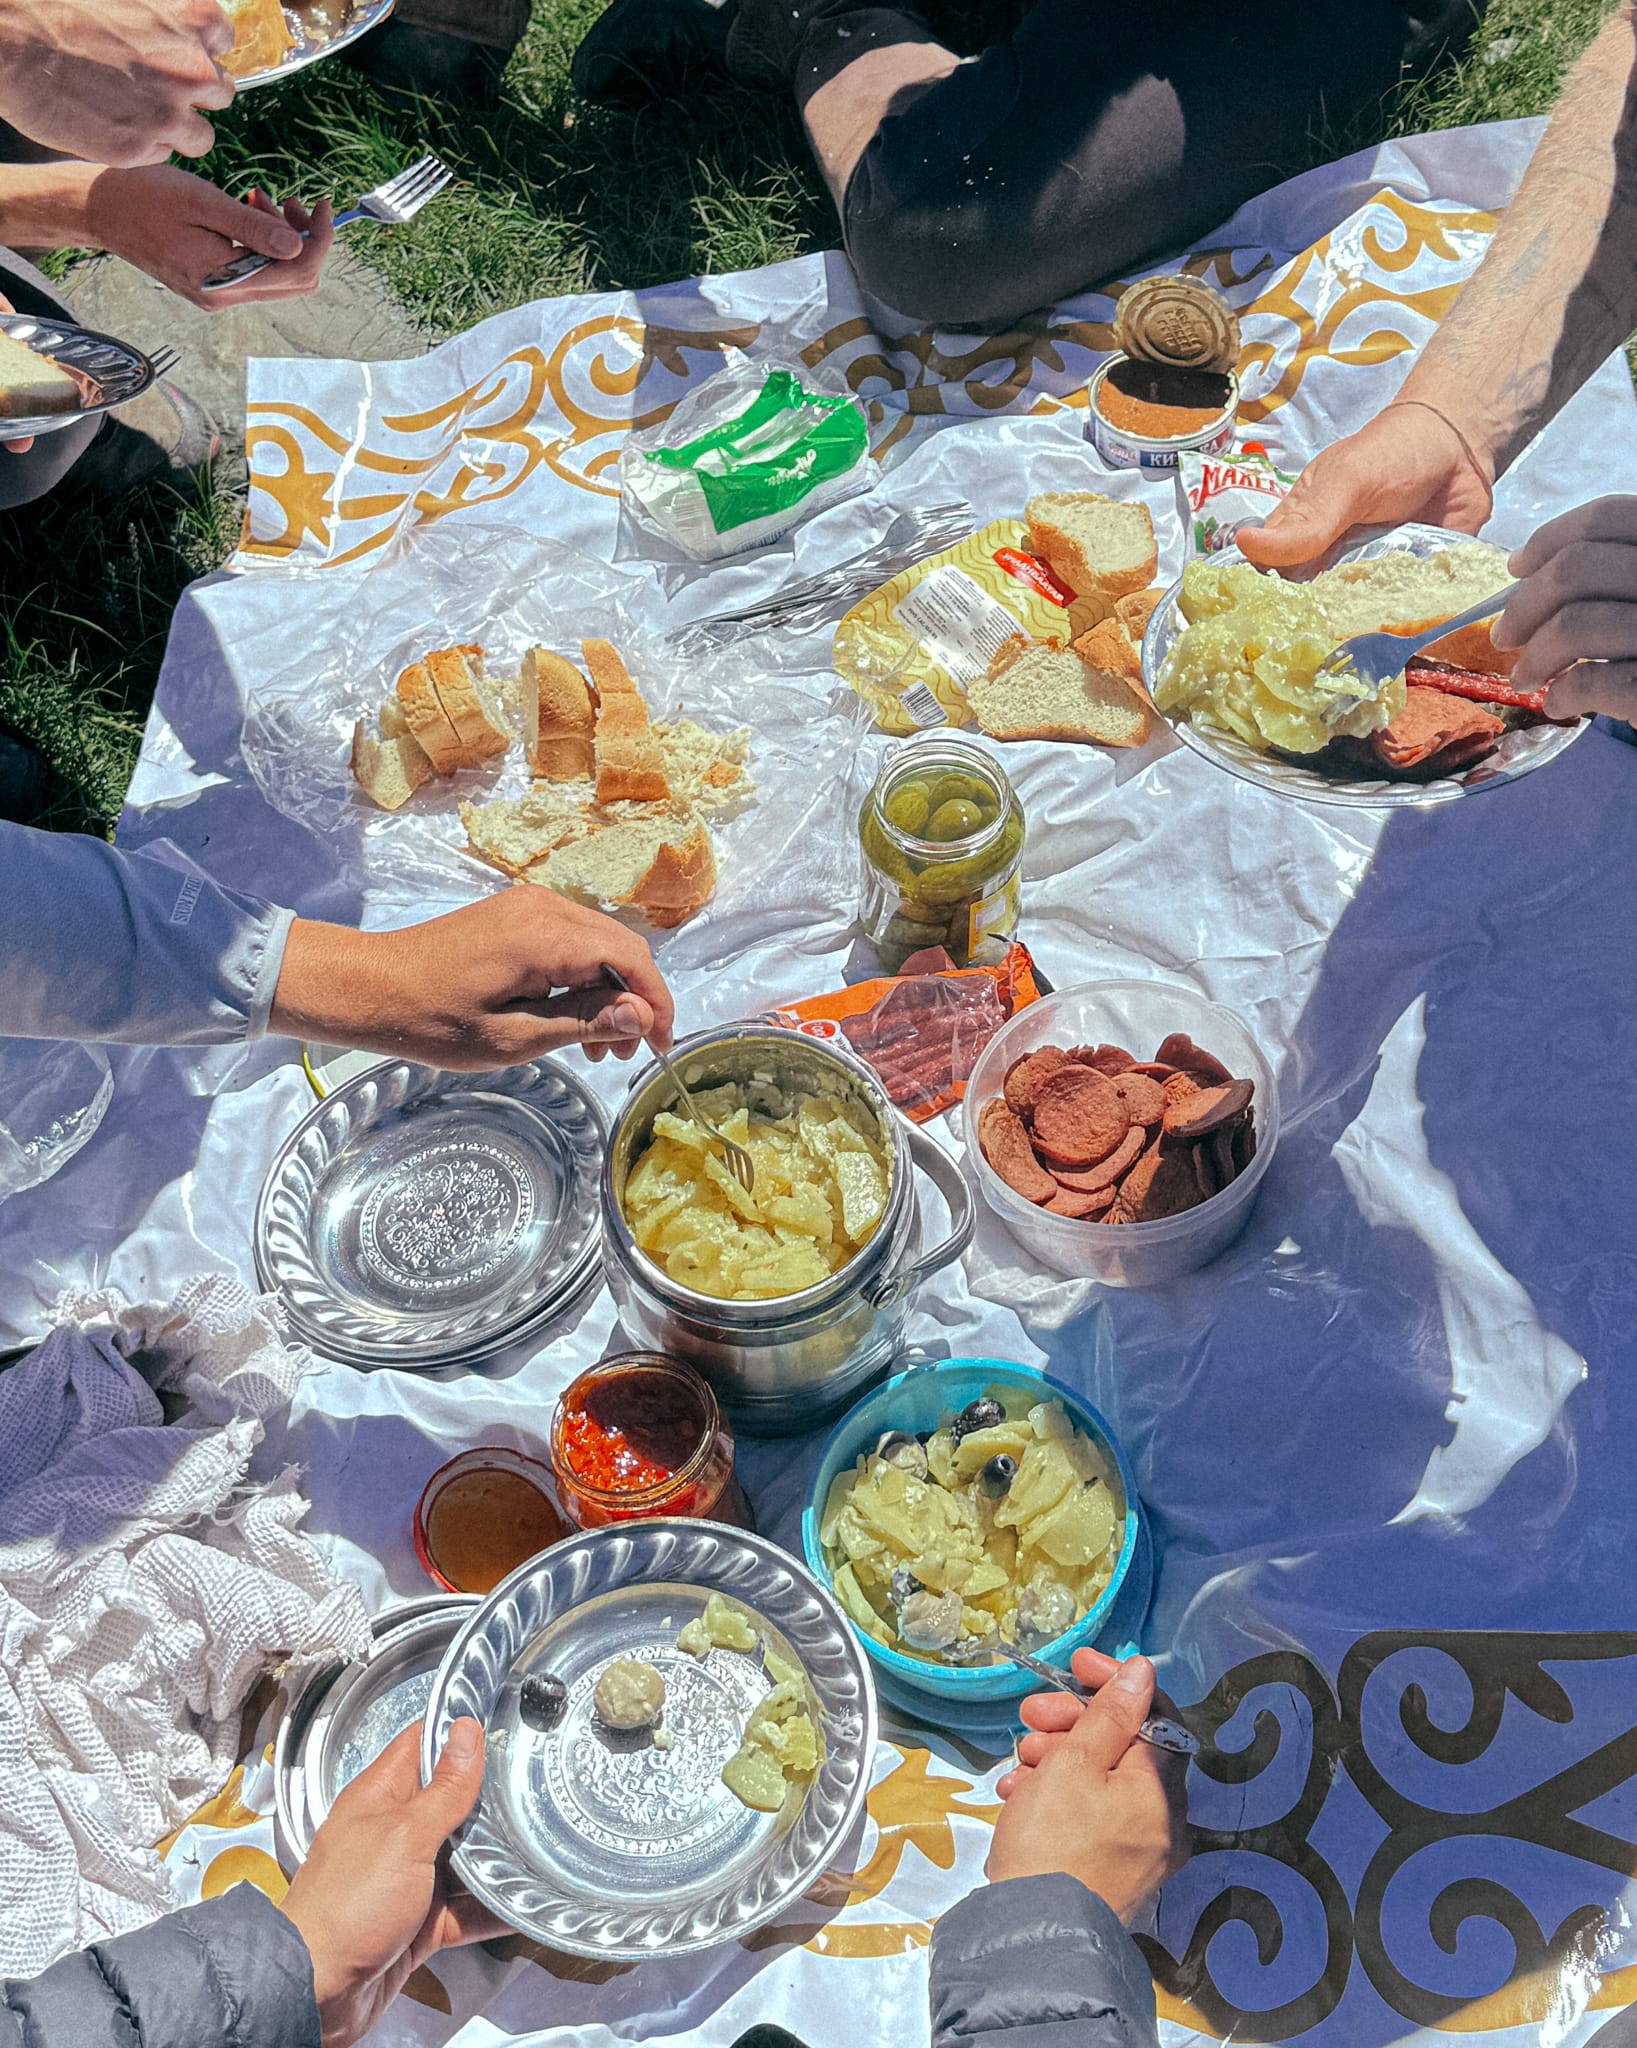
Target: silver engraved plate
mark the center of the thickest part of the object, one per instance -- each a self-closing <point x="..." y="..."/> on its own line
<point x="418" y="1218"/>
<point x="1514" y="754"/>
<point x="320" y="28"/>
<point x="605" y="1844"/>
<point x="346" y="1714"/>
<point x="108" y="372"/>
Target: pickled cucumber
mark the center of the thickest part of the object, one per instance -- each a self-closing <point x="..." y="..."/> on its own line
<point x="941" y="852"/>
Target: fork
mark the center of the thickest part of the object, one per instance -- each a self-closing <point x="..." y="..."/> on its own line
<point x="397" y="200"/>
<point x="740" y="1163"/>
<point x="1160" y="1731"/>
<point x="1374" y="657"/>
<point x="909" y="536"/>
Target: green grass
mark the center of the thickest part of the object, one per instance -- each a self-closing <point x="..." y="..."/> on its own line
<point x="555" y="196"/>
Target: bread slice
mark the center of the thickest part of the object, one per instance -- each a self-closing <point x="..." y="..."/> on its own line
<point x="630" y="766"/>
<point x="1092" y="542"/>
<point x="34" y="387"/>
<point x="609" y="676"/>
<point x="559" y="717"/>
<point x="1058" y="693"/>
<point x="427" y="720"/>
<point x="706" y="769"/>
<point x="469" y="703"/>
<point x="261" y="36"/>
<point x="514" y="835"/>
<point x="388" y="770"/>
<point x="663" y="866"/>
<point x="1398" y="591"/>
<point x="1136" y="608"/>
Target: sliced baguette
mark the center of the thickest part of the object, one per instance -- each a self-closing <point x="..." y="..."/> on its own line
<point x="469" y="703"/>
<point x="388" y="770"/>
<point x="661" y="866"/>
<point x="428" y="721"/>
<point x="1136" y="608"/>
<point x="1092" y="542"/>
<point x="609" y="675"/>
<point x="559" y="717"/>
<point x="630" y="766"/>
<point x="1059" y="693"/>
<point x="514" y="835"/>
<point x="705" y="768"/>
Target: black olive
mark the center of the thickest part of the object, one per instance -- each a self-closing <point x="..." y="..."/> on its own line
<point x="542" y="1701"/>
<point x="983" y="1413"/>
<point x="996" y="1477"/>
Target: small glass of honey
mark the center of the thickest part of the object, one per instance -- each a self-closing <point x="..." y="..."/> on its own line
<point x="482" y="1515"/>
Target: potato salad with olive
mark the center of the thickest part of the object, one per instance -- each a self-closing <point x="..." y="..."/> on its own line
<point x="1003" y="1524"/>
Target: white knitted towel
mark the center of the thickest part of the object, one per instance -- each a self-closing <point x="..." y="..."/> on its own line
<point x="145" y="1588"/>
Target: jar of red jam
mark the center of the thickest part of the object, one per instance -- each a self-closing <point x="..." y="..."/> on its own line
<point x="642" y="1435"/>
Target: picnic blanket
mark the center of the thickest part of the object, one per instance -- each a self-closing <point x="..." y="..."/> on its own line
<point x="1382" y="1440"/>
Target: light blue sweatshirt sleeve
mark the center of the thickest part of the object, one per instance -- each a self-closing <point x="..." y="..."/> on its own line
<point x="134" y="948"/>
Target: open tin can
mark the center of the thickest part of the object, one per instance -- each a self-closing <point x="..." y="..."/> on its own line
<point x="346" y="1714"/>
<point x="1172" y="387"/>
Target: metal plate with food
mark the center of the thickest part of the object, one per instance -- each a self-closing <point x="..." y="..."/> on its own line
<point x="1335" y="750"/>
<point x="416" y="1218"/>
<point x="53" y="373"/>
<point x="272" y="40"/>
<point x="346" y="1714"/>
<point x="681" y="1727"/>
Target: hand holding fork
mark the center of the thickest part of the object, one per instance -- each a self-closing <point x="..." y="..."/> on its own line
<point x="393" y="202"/>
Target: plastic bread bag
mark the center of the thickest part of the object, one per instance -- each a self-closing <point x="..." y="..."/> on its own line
<point x="910" y="648"/>
<point x="922" y="1030"/>
<point x="746" y="455"/>
<point x="309" y="674"/>
<point x="1222" y="493"/>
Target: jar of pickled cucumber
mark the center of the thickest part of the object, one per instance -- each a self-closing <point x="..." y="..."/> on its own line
<point x="942" y="834"/>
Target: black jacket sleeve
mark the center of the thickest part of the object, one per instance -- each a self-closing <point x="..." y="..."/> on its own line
<point x="232" y="1973"/>
<point x="1038" y="1962"/>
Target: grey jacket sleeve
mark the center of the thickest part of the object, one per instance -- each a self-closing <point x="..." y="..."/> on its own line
<point x="133" y="947"/>
<point x="232" y="1973"/>
<point x="1038" y="1962"/>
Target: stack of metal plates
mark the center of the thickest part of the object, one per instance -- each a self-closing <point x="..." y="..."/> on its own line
<point x="418" y="1219"/>
<point x="346" y="1714"/>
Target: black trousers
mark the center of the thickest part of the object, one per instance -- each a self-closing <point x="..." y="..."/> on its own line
<point x="23" y="478"/>
<point x="1103" y="135"/>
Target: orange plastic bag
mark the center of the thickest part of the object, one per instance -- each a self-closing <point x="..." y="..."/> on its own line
<point x="922" y="1030"/>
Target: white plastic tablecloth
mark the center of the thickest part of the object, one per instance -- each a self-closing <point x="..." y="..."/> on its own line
<point x="1383" y="1441"/>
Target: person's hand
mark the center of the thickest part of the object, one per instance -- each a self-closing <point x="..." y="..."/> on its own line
<point x="1408" y="463"/>
<point x="1576" y="615"/>
<point x="114" y="81"/>
<point x="1088" y="1797"/>
<point x="181" y="229"/>
<point x="374" y="1898"/>
<point x="501" y="981"/>
<point x="27" y="442"/>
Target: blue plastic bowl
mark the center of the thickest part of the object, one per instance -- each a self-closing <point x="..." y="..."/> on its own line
<point x="918" y="1401"/>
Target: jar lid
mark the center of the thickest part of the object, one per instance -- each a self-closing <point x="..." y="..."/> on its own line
<point x="1182" y="322"/>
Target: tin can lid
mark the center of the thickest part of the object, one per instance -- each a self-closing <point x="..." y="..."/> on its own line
<point x="1180" y="321"/>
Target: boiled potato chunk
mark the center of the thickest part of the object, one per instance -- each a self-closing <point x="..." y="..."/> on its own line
<point x="821" y="1185"/>
<point x="1078" y="1530"/>
<point x="722" y="1626"/>
<point x="756" y="1778"/>
<point x="1045" y="1473"/>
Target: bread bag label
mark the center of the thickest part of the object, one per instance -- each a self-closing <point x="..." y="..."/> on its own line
<point x="1227" y="491"/>
<point x="910" y="647"/>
